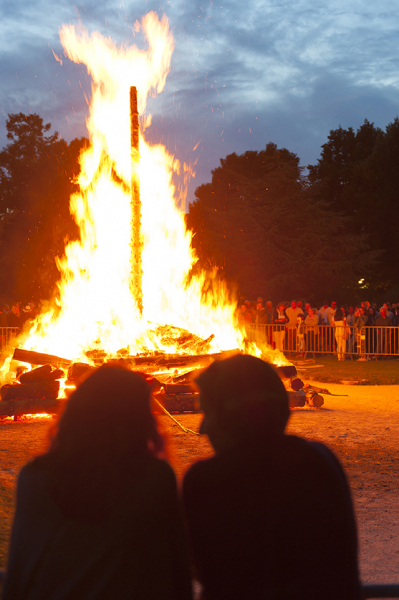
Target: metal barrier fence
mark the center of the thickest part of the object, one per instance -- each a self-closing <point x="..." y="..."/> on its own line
<point x="379" y="341"/>
<point x="6" y="335"/>
<point x="323" y="339"/>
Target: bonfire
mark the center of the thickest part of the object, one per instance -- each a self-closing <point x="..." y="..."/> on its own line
<point x="126" y="290"/>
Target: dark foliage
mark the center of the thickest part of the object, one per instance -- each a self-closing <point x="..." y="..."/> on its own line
<point x="260" y="223"/>
<point x="358" y="174"/>
<point x="37" y="172"/>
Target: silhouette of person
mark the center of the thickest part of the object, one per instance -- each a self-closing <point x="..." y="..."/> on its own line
<point x="97" y="515"/>
<point x="270" y="515"/>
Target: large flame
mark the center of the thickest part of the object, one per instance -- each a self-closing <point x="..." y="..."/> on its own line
<point x="94" y="305"/>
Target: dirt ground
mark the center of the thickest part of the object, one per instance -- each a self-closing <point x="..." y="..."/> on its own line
<point x="361" y="425"/>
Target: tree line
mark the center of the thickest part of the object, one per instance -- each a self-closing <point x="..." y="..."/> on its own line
<point x="261" y="221"/>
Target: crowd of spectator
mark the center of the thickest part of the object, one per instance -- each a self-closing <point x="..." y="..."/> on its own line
<point x="297" y="326"/>
<point x="16" y="316"/>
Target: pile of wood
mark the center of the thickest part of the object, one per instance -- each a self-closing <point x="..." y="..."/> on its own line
<point x="32" y="392"/>
<point x="37" y="391"/>
<point x="297" y="394"/>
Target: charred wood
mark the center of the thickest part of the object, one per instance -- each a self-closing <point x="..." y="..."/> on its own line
<point x="287" y="371"/>
<point x="36" y="374"/>
<point x="34" y="390"/>
<point x="78" y="370"/>
<point x="297" y="384"/>
<point x="41" y="373"/>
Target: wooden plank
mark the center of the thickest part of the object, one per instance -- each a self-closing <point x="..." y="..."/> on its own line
<point x="38" y="358"/>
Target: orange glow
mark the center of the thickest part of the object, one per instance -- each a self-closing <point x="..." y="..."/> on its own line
<point x="94" y="308"/>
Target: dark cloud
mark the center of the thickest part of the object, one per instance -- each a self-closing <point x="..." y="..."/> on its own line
<point x="241" y="75"/>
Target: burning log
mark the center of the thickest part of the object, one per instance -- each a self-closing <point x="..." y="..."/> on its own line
<point x="46" y="388"/>
<point x="198" y="346"/>
<point x="181" y="360"/>
<point x="77" y="370"/>
<point x="36" y="374"/>
<point x="38" y="358"/>
<point x="136" y="274"/>
<point x="40" y="374"/>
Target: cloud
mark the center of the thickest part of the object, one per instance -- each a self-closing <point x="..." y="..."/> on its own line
<point x="242" y="74"/>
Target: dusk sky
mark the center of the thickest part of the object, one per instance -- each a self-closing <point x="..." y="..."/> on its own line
<point x="242" y="74"/>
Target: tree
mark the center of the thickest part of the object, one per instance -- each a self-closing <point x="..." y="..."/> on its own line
<point x="358" y="174"/>
<point x="37" y="173"/>
<point x="259" y="222"/>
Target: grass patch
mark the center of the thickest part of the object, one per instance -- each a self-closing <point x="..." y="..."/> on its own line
<point x="6" y="516"/>
<point x="328" y="369"/>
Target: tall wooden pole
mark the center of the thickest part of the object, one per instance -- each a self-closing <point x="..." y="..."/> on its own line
<point x="136" y="274"/>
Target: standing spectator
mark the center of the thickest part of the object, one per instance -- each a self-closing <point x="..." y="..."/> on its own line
<point x="339" y="324"/>
<point x="389" y="313"/>
<point x="244" y="316"/>
<point x="292" y="313"/>
<point x="330" y="312"/>
<point x="269" y="321"/>
<point x="322" y="313"/>
<point x="3" y="325"/>
<point x="383" y="337"/>
<point x="350" y="316"/>
<point x="261" y="321"/>
<point x="360" y="321"/>
<point x="260" y="317"/>
<point x="14" y="316"/>
<point x="279" y="321"/>
<point x="396" y="313"/>
<point x="269" y="515"/>
<point x="249" y="310"/>
<point x="312" y="326"/>
<point x="371" y="335"/>
<point x="300" y="331"/>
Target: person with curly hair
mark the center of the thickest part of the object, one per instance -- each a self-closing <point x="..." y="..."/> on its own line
<point x="97" y="515"/>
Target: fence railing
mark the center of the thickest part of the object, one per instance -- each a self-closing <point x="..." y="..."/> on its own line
<point x="323" y="339"/>
<point x="6" y="335"/>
